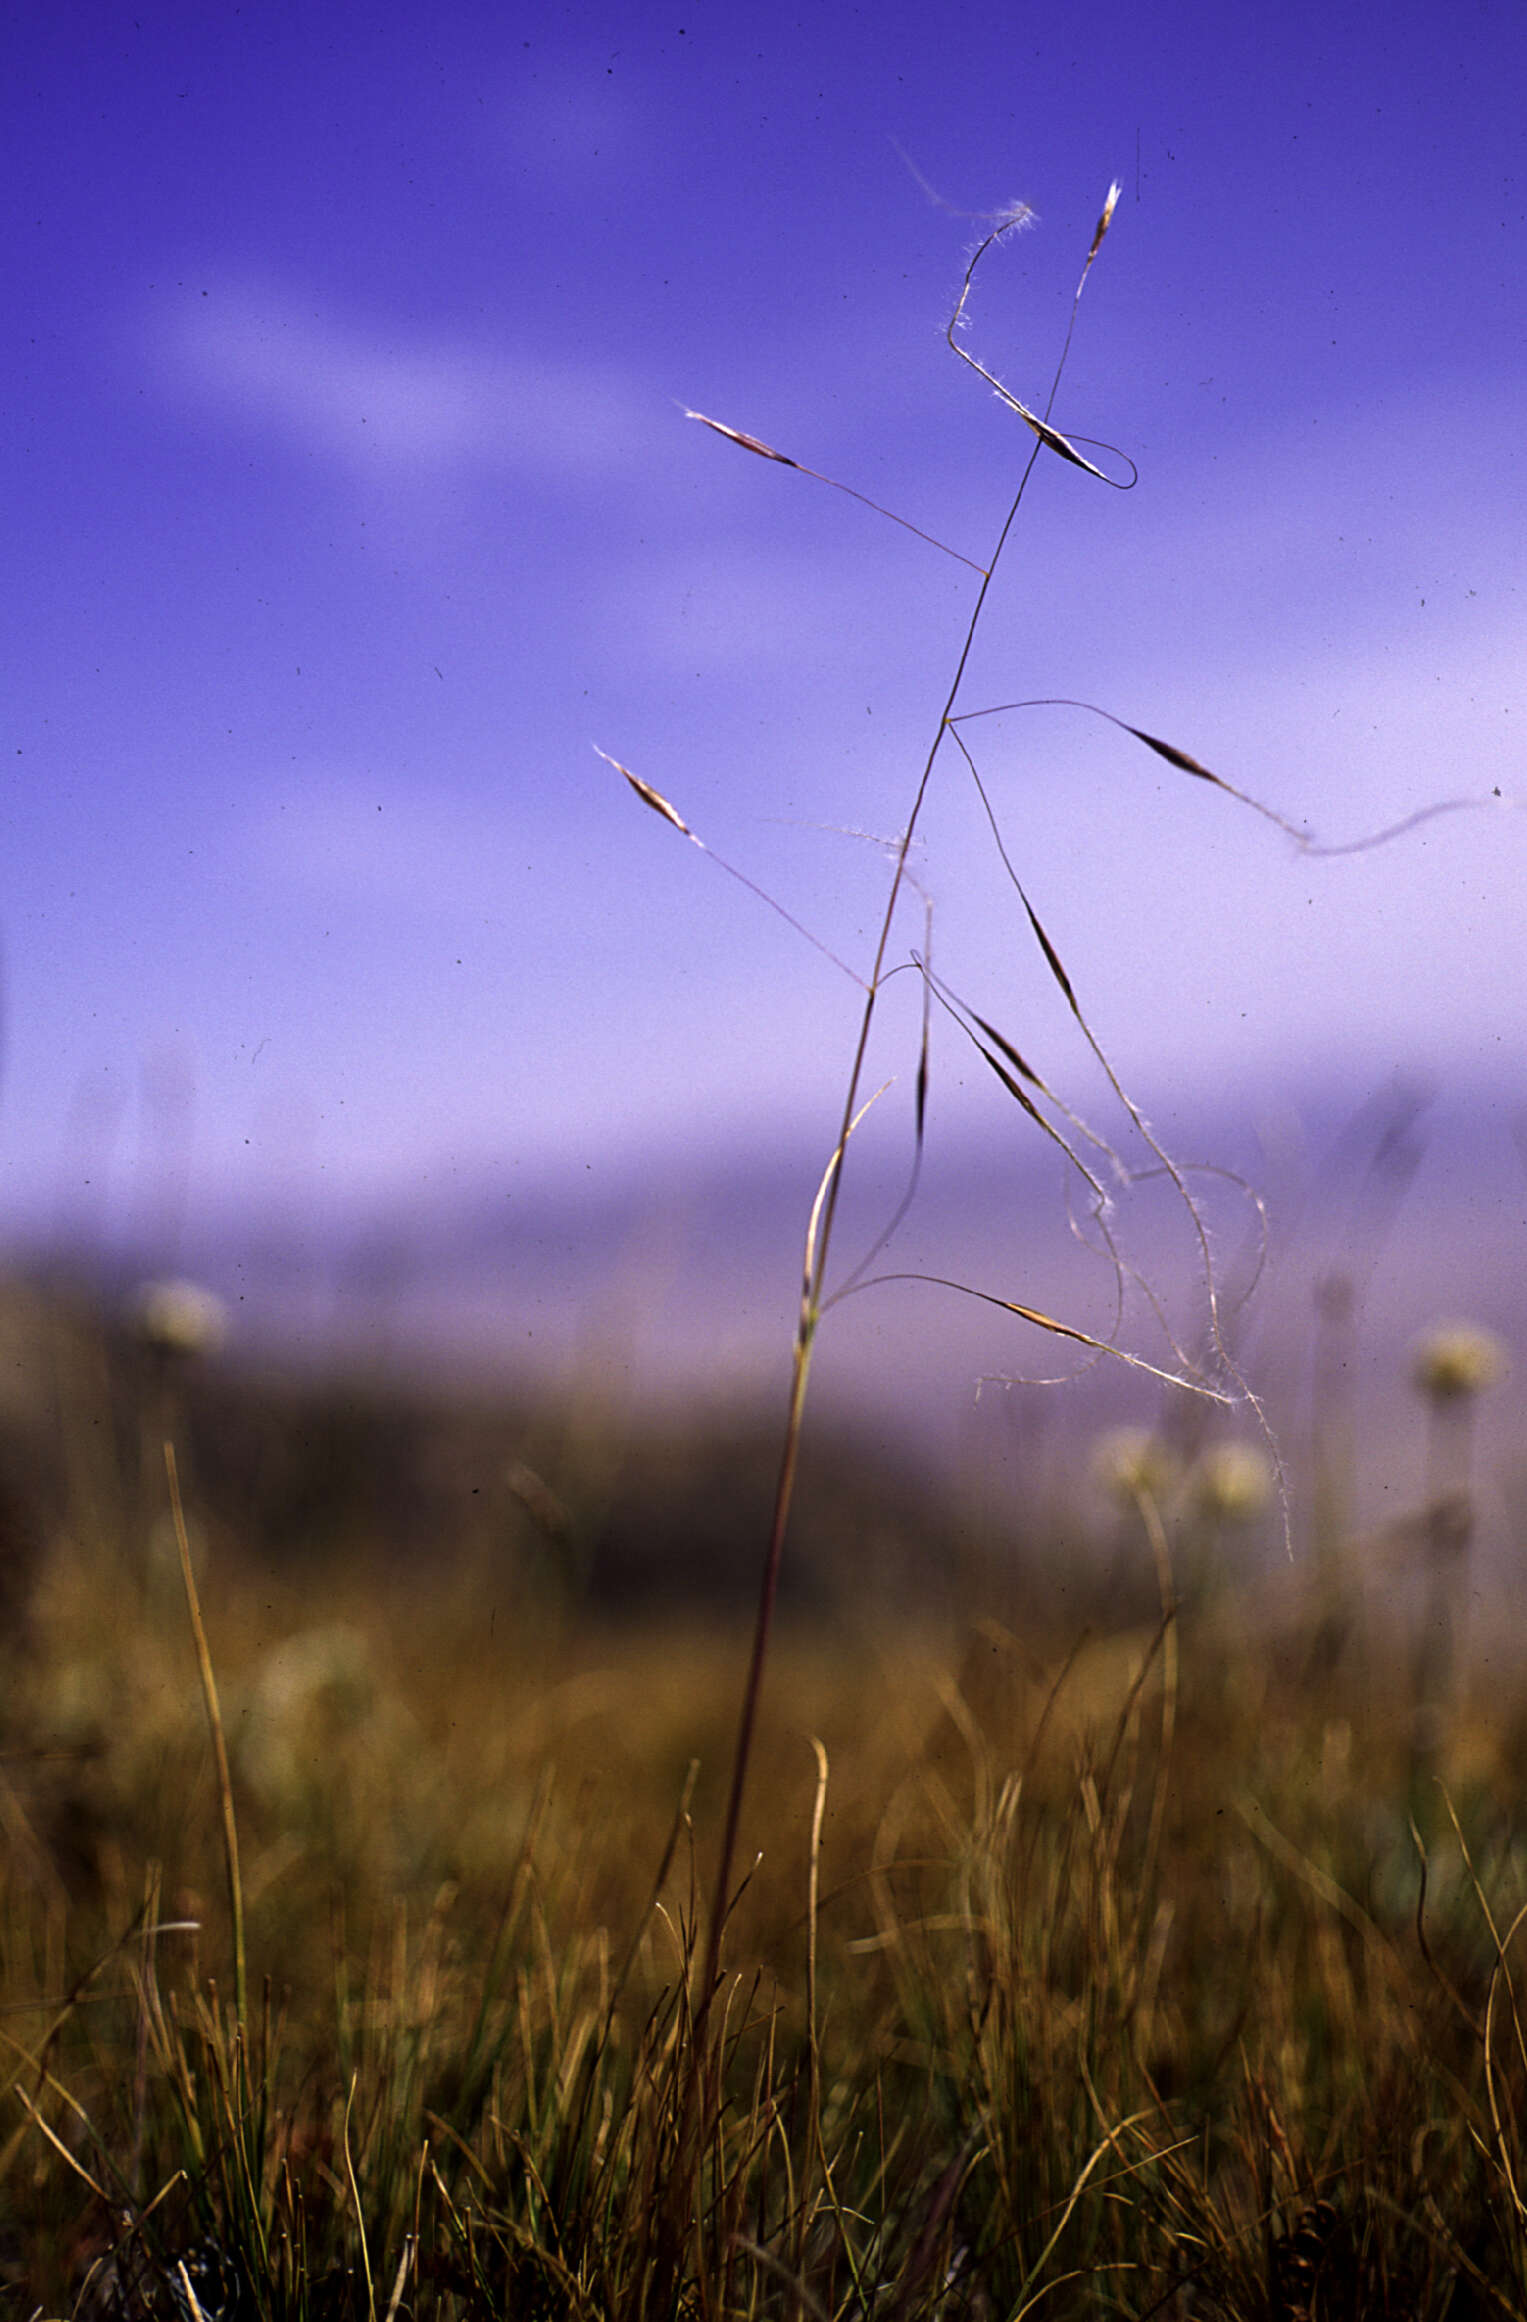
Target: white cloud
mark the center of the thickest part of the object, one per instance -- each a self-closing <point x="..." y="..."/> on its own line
<point x="388" y="402"/>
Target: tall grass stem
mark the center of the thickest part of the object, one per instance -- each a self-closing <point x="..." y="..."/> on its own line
<point x="219" y="1746"/>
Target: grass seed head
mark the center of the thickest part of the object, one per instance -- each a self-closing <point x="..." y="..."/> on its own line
<point x="1106" y="220"/>
<point x="1232" y="1483"/>
<point x="180" y="1318"/>
<point x="1133" y="1463"/>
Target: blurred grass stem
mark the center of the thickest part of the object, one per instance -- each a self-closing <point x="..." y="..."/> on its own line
<point x="219" y="1746"/>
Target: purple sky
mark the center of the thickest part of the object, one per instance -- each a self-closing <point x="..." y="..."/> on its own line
<point x="348" y="501"/>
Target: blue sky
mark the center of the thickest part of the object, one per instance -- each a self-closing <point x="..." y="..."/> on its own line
<point x="349" y="502"/>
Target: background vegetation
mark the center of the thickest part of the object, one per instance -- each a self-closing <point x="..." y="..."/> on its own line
<point x="1099" y="1950"/>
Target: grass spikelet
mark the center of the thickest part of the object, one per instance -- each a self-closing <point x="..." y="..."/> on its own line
<point x="766" y="451"/>
<point x="1110" y="204"/>
<point x="670" y="814"/>
<point x="653" y="798"/>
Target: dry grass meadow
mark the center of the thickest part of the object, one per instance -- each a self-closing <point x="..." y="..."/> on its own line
<point x="1072" y="1968"/>
<point x="418" y="1899"/>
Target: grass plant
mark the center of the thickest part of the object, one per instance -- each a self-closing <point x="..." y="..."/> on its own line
<point x="362" y="1959"/>
<point x="1212" y="1372"/>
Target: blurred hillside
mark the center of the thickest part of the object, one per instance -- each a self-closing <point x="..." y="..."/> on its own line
<point x="582" y="1383"/>
<point x="668" y="1290"/>
<point x="545" y="1505"/>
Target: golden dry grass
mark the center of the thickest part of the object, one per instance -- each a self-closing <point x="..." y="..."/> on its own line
<point x="1109" y="2003"/>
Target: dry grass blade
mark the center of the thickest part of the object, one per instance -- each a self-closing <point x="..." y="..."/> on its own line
<point x="70" y="2160"/>
<point x="805" y="2298"/>
<point x="1444" y="1982"/>
<point x="924" y="1045"/>
<point x="816" y="1255"/>
<point x="400" y="2279"/>
<point x="353" y="2182"/>
<point x="1161" y="1553"/>
<point x="925" y="2250"/>
<point x="1500" y="1975"/>
<point x="921" y="1084"/>
<point x="188" y="2288"/>
<point x="813" y="1896"/>
<point x="1319" y="1882"/>
<point x="219" y="1744"/>
<point x="814" y="2062"/>
<point x="1030" y="2295"/>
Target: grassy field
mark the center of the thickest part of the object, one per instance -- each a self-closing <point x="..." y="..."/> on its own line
<point x="1072" y="1969"/>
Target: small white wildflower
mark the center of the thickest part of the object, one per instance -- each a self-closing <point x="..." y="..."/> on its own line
<point x="1456" y="1361"/>
<point x="1131" y="1463"/>
<point x="1232" y="1483"/>
<point x="180" y="1318"/>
